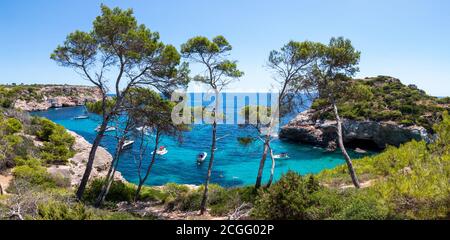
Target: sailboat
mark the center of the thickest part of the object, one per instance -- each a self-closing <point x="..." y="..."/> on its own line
<point x="83" y="116"/>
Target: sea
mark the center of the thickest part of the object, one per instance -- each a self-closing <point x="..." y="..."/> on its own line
<point x="234" y="165"/>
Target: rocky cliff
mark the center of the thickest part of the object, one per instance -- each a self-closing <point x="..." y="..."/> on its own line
<point x="77" y="164"/>
<point x="363" y="134"/>
<point x="42" y="98"/>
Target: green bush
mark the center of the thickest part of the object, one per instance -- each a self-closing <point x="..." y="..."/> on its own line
<point x="45" y="128"/>
<point x="118" y="192"/>
<point x="289" y="198"/>
<point x="57" y="141"/>
<point x="12" y="126"/>
<point x="34" y="175"/>
<point x="54" y="210"/>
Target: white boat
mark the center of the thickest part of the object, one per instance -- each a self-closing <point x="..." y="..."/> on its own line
<point x="81" y="117"/>
<point x="127" y="144"/>
<point x="146" y="130"/>
<point x="201" y="157"/>
<point x="281" y="156"/>
<point x="161" y="151"/>
<point x="108" y="129"/>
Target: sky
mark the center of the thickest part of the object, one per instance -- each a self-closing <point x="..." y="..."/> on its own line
<point x="406" y="39"/>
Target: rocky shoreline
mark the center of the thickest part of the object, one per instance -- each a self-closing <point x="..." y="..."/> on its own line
<point x="362" y="134"/>
<point x="58" y="96"/>
<point x="77" y="164"/>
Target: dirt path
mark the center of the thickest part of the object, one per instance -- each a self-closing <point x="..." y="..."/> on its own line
<point x="5" y="180"/>
<point x="158" y="210"/>
<point x="365" y="184"/>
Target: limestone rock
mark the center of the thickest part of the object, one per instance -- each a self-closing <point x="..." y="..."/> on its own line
<point x="73" y="172"/>
<point x="304" y="129"/>
<point x="59" y="96"/>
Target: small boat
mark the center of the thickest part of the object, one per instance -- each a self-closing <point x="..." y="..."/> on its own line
<point x="108" y="129"/>
<point x="81" y="117"/>
<point x="201" y="157"/>
<point x="146" y="130"/>
<point x="127" y="144"/>
<point x="281" y="156"/>
<point x="161" y="151"/>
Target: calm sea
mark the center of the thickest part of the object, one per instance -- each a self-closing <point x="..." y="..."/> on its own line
<point x="235" y="164"/>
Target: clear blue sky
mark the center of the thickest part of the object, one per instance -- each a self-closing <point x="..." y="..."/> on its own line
<point x="407" y="39"/>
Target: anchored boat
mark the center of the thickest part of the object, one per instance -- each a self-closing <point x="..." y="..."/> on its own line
<point x="108" y="129"/>
<point x="281" y="156"/>
<point x="201" y="157"/>
<point x="161" y="151"/>
<point x="127" y="144"/>
<point x="81" y="117"/>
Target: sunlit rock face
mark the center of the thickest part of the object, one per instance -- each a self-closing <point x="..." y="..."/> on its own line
<point x="58" y="96"/>
<point x="365" y="134"/>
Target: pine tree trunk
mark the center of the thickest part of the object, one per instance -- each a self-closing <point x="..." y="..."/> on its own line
<point x="272" y="169"/>
<point x="208" y="176"/>
<point x="142" y="181"/>
<point x="348" y="160"/>
<point x="110" y="176"/>
<point x="90" y="162"/>
<point x="262" y="162"/>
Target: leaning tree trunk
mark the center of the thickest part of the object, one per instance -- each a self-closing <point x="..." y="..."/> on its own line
<point x="208" y="176"/>
<point x="91" y="158"/>
<point x="272" y="169"/>
<point x="262" y="162"/>
<point x="142" y="181"/>
<point x="1" y="190"/>
<point x="348" y="160"/>
<point x="110" y="176"/>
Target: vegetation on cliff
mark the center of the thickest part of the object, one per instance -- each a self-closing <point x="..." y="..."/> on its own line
<point x="385" y="98"/>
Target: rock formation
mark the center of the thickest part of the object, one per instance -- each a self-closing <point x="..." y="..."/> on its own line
<point x="304" y="129"/>
<point x="58" y="96"/>
<point x="77" y="164"/>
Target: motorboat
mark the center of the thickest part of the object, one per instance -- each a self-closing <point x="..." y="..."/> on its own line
<point x="127" y="144"/>
<point x="108" y="129"/>
<point x="201" y="157"/>
<point x="161" y="151"/>
<point x="145" y="130"/>
<point x="281" y="156"/>
<point x="81" y="117"/>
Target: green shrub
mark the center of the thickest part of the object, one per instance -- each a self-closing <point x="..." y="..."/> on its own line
<point x="27" y="161"/>
<point x="12" y="126"/>
<point x="118" y="192"/>
<point x="289" y="198"/>
<point x="57" y="141"/>
<point x="45" y="128"/>
<point x="34" y="175"/>
<point x="54" y="210"/>
<point x="56" y="154"/>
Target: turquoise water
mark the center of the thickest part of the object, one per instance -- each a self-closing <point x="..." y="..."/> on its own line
<point x="235" y="165"/>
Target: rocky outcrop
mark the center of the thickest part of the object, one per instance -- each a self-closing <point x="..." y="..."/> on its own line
<point x="304" y="129"/>
<point x="58" y="96"/>
<point x="73" y="172"/>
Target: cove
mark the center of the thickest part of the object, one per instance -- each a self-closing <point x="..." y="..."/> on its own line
<point x="235" y="164"/>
